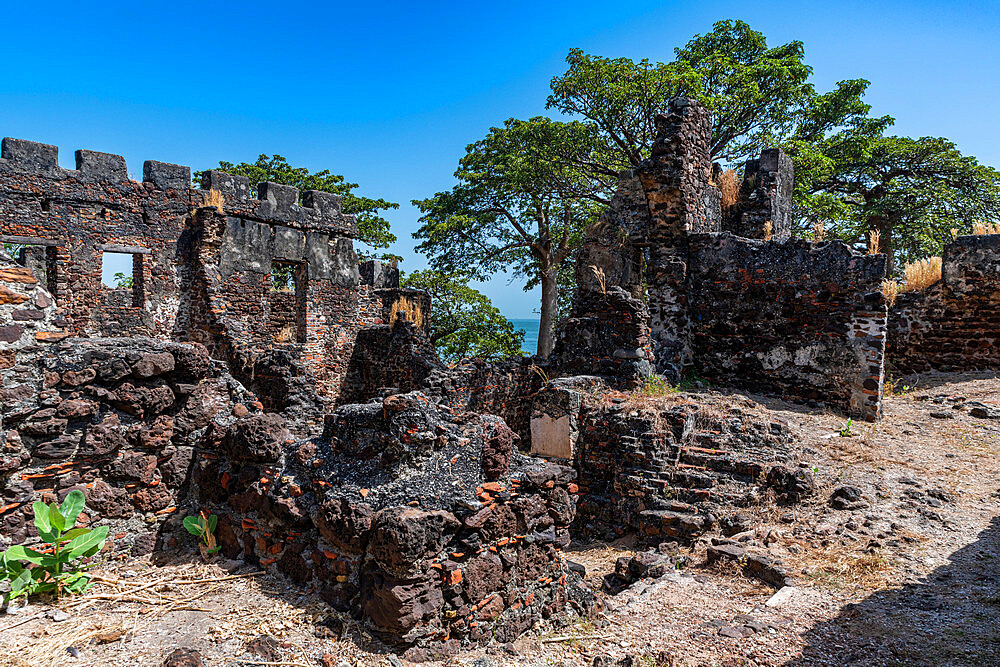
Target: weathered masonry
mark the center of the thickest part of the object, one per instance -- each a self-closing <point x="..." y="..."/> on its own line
<point x="953" y="325"/>
<point x="803" y="320"/>
<point x="269" y="284"/>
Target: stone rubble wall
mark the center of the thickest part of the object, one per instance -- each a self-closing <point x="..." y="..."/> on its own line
<point x="765" y="196"/>
<point x="201" y="272"/>
<point x="117" y="418"/>
<point x="953" y="325"/>
<point x="803" y="320"/>
<point x="664" y="469"/>
<point x="426" y="523"/>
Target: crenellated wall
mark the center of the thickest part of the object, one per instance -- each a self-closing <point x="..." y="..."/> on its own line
<point x="953" y="325"/>
<point x="203" y="263"/>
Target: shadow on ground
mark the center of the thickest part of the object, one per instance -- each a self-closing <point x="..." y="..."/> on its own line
<point x="950" y="617"/>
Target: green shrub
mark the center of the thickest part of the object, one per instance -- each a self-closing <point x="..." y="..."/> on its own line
<point x="203" y="527"/>
<point x="57" y="568"/>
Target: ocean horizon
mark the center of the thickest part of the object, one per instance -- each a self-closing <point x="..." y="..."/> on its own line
<point x="530" y="326"/>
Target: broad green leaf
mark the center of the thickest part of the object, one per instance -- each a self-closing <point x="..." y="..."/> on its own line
<point x="72" y="506"/>
<point x="41" y="517"/>
<point x="56" y="518"/>
<point x="81" y="544"/>
<point x="72" y="533"/>
<point x="19" y="552"/>
<point x="213" y="521"/>
<point x="193" y="525"/>
<point x="20" y="581"/>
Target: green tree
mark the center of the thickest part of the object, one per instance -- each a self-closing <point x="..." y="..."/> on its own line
<point x="464" y="323"/>
<point x="373" y="229"/>
<point x="913" y="192"/>
<point x="521" y="206"/>
<point x="850" y="177"/>
<point x="758" y="95"/>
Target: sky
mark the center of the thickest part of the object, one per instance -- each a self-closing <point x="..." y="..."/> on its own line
<point x="389" y="94"/>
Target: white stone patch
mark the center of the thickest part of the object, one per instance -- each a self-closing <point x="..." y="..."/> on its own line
<point x="774" y="358"/>
<point x="552" y="437"/>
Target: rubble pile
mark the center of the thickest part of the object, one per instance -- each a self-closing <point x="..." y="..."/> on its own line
<point x="425" y="522"/>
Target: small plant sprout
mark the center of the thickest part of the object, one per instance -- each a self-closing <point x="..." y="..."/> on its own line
<point x="56" y="568"/>
<point x="203" y="527"/>
<point x="845" y="431"/>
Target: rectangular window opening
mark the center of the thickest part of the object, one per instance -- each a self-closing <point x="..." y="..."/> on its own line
<point x="41" y="259"/>
<point x="284" y="276"/>
<point x="287" y="302"/>
<point x="123" y="273"/>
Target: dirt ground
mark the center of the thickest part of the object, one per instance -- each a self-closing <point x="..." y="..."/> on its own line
<point x="910" y="579"/>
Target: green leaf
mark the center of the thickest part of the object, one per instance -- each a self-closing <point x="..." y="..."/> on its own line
<point x="56" y="518"/>
<point x="19" y="552"/>
<point x="72" y="506"/>
<point x="74" y="532"/>
<point x="41" y="517"/>
<point x="20" y="581"/>
<point x="213" y="521"/>
<point x="79" y="545"/>
<point x="193" y="525"/>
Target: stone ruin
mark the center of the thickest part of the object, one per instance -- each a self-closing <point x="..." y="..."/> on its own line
<point x="253" y="368"/>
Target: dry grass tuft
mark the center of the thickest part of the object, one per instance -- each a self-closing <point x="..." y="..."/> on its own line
<point x="837" y="568"/>
<point x="819" y="231"/>
<point x="729" y="188"/>
<point x="890" y="290"/>
<point x="601" y="278"/>
<point x="921" y="274"/>
<point x="874" y="240"/>
<point x="52" y="646"/>
<point x="985" y="228"/>
<point x="214" y="198"/>
<point x="768" y="230"/>
<point x="409" y="311"/>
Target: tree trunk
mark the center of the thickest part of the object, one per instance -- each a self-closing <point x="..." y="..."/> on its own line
<point x="550" y="310"/>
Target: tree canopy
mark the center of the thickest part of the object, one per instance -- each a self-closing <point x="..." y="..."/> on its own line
<point x="464" y="322"/>
<point x="527" y="191"/>
<point x="520" y="205"/>
<point x="850" y="177"/>
<point x="373" y="229"/>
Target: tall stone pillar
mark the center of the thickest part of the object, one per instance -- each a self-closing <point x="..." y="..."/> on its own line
<point x="765" y="196"/>
<point x="676" y="180"/>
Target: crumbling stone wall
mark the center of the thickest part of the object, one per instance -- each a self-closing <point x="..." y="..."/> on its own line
<point x="953" y="325"/>
<point x="606" y="334"/>
<point x="804" y="320"/>
<point x="117" y="418"/>
<point x="425" y="522"/>
<point x="671" y="468"/>
<point x="765" y="196"/>
<point x="201" y="273"/>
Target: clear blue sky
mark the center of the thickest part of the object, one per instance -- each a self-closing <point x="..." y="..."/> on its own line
<point x="389" y="94"/>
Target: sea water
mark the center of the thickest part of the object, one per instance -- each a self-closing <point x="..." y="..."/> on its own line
<point x="530" y="344"/>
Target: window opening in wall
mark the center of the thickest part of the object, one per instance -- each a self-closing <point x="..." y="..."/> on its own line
<point x="123" y="273"/>
<point x="287" y="302"/>
<point x="39" y="258"/>
<point x="283" y="276"/>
